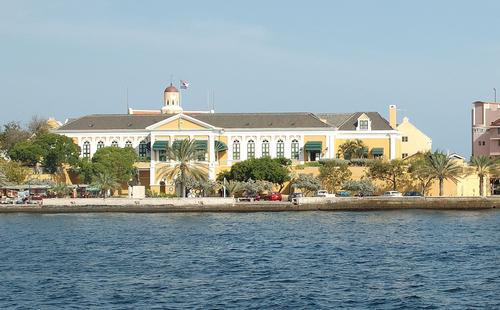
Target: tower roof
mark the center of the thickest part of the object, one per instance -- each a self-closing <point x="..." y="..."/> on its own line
<point x="171" y="89"/>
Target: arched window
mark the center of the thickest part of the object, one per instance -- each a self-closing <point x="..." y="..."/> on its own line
<point x="236" y="149"/>
<point x="280" y="148"/>
<point x="114" y="143"/>
<point x="250" y="149"/>
<point x="100" y="145"/>
<point x="295" y="149"/>
<point x="265" y="148"/>
<point x="143" y="149"/>
<point x="86" y="149"/>
<point x="128" y="143"/>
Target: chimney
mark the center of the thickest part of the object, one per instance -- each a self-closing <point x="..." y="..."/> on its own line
<point x="393" y="120"/>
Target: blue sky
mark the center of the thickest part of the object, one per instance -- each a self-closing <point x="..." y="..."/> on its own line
<point x="430" y="58"/>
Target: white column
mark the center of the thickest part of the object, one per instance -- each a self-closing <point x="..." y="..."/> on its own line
<point x="211" y="157"/>
<point x="392" y="143"/>
<point x="331" y="151"/>
<point x="243" y="148"/>
<point x="152" y="163"/>
<point x="288" y="147"/>
<point x="272" y="146"/>
<point x="258" y="147"/>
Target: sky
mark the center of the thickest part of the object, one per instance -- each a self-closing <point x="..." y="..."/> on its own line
<point x="432" y="59"/>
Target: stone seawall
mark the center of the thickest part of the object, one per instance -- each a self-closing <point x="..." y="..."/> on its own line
<point x="166" y="205"/>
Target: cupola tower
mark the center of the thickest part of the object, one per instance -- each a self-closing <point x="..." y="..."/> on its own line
<point x="171" y="100"/>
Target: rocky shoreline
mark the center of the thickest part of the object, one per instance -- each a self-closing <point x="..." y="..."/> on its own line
<point x="157" y="205"/>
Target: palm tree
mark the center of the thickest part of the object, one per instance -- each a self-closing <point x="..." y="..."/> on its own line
<point x="483" y="165"/>
<point x="186" y="164"/>
<point x="352" y="149"/>
<point x="106" y="181"/>
<point x="443" y="167"/>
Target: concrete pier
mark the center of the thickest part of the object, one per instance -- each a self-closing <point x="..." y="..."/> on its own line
<point x="166" y="205"/>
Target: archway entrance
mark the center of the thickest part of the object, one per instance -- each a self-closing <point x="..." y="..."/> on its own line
<point x="495" y="186"/>
<point x="162" y="187"/>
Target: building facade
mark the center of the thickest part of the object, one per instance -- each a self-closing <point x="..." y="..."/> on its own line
<point x="226" y="138"/>
<point x="485" y="120"/>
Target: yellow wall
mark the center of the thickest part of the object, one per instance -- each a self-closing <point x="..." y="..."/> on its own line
<point x="321" y="138"/>
<point x="180" y="124"/>
<point x="370" y="143"/>
<point x="417" y="140"/>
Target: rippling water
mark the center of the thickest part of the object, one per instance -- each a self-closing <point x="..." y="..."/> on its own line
<point x="309" y="260"/>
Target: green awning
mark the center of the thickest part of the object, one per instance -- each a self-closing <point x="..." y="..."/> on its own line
<point x="201" y="145"/>
<point x="313" y="146"/>
<point x="378" y="151"/>
<point x="160" y="145"/>
<point x="220" y="146"/>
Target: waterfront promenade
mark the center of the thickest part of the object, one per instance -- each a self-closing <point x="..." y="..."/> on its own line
<point x="167" y="205"/>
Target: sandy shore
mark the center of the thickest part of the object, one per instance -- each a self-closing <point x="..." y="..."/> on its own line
<point x="157" y="205"/>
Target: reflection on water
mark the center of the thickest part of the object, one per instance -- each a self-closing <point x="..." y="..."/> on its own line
<point x="391" y="259"/>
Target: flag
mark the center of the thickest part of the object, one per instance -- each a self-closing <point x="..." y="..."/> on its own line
<point x="184" y="84"/>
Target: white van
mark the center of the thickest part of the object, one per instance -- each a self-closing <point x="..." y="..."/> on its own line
<point x="324" y="193"/>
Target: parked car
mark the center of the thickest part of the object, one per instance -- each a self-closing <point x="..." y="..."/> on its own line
<point x="324" y="193"/>
<point x="393" y="194"/>
<point x="413" y="194"/>
<point x="273" y="196"/>
<point x="250" y="197"/>
<point x="295" y="195"/>
<point x="343" y="194"/>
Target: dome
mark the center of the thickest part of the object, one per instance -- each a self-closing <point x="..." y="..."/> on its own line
<point x="171" y="89"/>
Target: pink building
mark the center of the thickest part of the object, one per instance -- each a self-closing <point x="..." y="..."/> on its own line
<point x="486" y="128"/>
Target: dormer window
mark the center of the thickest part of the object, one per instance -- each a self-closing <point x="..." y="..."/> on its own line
<point x="363" y="125"/>
<point x="364" y="122"/>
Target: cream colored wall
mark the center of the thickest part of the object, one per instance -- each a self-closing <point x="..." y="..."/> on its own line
<point x="417" y="140"/>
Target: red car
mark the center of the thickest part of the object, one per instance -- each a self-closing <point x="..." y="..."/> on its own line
<point x="273" y="196"/>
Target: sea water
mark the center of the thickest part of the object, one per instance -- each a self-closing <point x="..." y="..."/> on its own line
<point x="293" y="260"/>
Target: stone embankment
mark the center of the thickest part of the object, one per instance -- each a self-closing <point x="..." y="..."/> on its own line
<point x="165" y="205"/>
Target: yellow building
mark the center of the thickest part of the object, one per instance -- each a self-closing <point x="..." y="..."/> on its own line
<point x="413" y="140"/>
<point x="226" y="138"/>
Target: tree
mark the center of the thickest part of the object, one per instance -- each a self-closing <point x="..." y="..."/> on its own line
<point x="393" y="171"/>
<point x="61" y="190"/>
<point x="352" y="149"/>
<point x="307" y="183"/>
<point x="333" y="174"/>
<point x="85" y="170"/>
<point x="419" y="171"/>
<point x="57" y="150"/>
<point x="274" y="170"/>
<point x="233" y="187"/>
<point x="3" y="179"/>
<point x="202" y="187"/>
<point x="26" y="152"/>
<point x="483" y="166"/>
<point x="12" y="133"/>
<point x="186" y="164"/>
<point x="443" y="167"/>
<point x="363" y="187"/>
<point x="119" y="162"/>
<point x="106" y="181"/>
<point x="14" y="171"/>
<point x="38" y="126"/>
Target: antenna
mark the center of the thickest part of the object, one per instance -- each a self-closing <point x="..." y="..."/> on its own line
<point x="213" y="100"/>
<point x="495" y="94"/>
<point x="208" y="99"/>
<point x="127" y="102"/>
